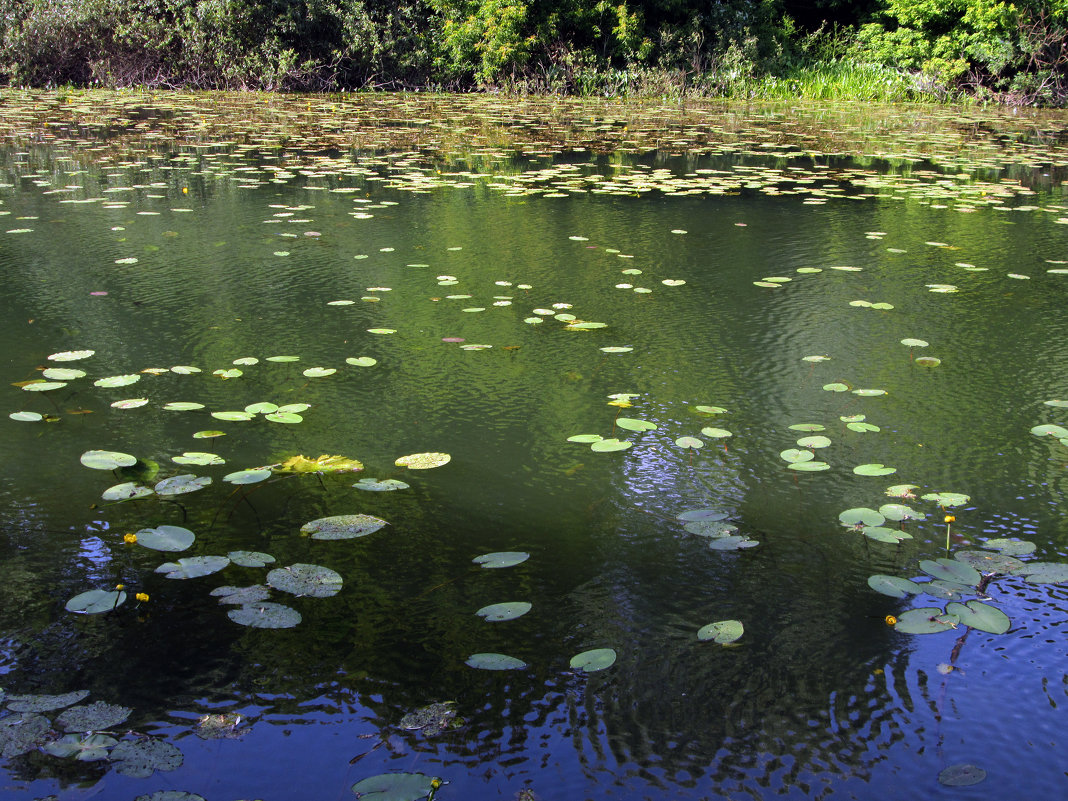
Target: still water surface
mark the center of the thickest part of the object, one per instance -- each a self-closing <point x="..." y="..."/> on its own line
<point x="820" y="698"/>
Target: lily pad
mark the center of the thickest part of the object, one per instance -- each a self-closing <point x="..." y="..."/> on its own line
<point x="722" y="631"/>
<point x="62" y="373"/>
<point x="894" y="586"/>
<point x="951" y="570"/>
<point x="836" y="386"/>
<point x="95" y="602"/>
<point x="166" y="538"/>
<point x="93" y="717"/>
<point x="117" y="380"/>
<point x="710" y="528"/>
<point x="251" y="476"/>
<point x="423" y="461"/>
<point x="251" y="558"/>
<point x="926" y="620"/>
<point x="585" y="438"/>
<point x="170" y="795"/>
<point x="26" y="417"/>
<point x="946" y="499"/>
<point x="208" y="434"/>
<point x="716" y="433"/>
<point x="265" y="615"/>
<point x="884" y="534"/>
<point x="701" y="514"/>
<point x="193" y="567"/>
<point x="107" y="460"/>
<point x="22" y="733"/>
<point x="262" y="407"/>
<point x="290" y="418"/>
<point x="874" y="469"/>
<point x="862" y="428"/>
<point x="180" y="485"/>
<point x="126" y="492"/>
<point x="795" y="455"/>
<point x="319" y="372"/>
<point x="814" y="442"/>
<point x="201" y="458"/>
<point x="689" y="442"/>
<point x="233" y="417"/>
<point x="1010" y="547"/>
<point x="1045" y="572"/>
<point x="362" y="361"/>
<point x="946" y="590"/>
<point x="914" y="343"/>
<point x="504" y="611"/>
<point x="898" y="512"/>
<point x="182" y="406"/>
<point x="861" y="516"/>
<point x="632" y="424"/>
<point x="710" y="409"/>
<point x="732" y="543"/>
<point x="1060" y="432"/>
<point x="986" y="562"/>
<point x="501" y="559"/>
<point x="978" y="615"/>
<point x="395" y="787"/>
<point x="593" y="660"/>
<point x="44" y="703"/>
<point x="71" y="355"/>
<point x="610" y="444"/>
<point x="492" y="661"/>
<point x="808" y="467"/>
<point x="315" y="581"/>
<point x="342" y="527"/>
<point x="242" y="595"/>
<point x="141" y="758"/>
<point x="383" y="485"/>
<point x="962" y="775"/>
<point x="84" y="748"/>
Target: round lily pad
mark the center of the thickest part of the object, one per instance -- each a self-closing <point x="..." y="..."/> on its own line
<point x="319" y="372"/>
<point x="95" y="602"/>
<point x="795" y="455"/>
<point x="861" y="516"/>
<point x="242" y="596"/>
<point x="423" y="461"/>
<point x="27" y="417"/>
<point x="593" y="660"/>
<point x="251" y="558"/>
<point x="233" y="417"/>
<point x="142" y="758"/>
<point x="894" y="586"/>
<point x="926" y="620"/>
<point x="180" y="485"/>
<point x="62" y="373"/>
<point x="362" y="361"/>
<point x="951" y="570"/>
<point x="1010" y="547"/>
<point x="315" y="581"/>
<point x="265" y="615"/>
<point x="716" y="433"/>
<point x="708" y="527"/>
<point x="199" y="458"/>
<point x="701" y="514"/>
<point x="44" y="703"/>
<point x="722" y="631"/>
<point x="946" y="499"/>
<point x="611" y="444"/>
<point x="166" y="538"/>
<point x="898" y="512"/>
<point x="504" y="611"/>
<point x="874" y="469"/>
<point x="884" y="534"/>
<point x="689" y="442"/>
<point x="808" y="467"/>
<point x="193" y="567"/>
<point x="632" y="424"/>
<point x="84" y="748"/>
<point x="978" y="615"/>
<point x="71" y="355"/>
<point x="962" y="775"/>
<point x="342" y="527"/>
<point x="22" y="733"/>
<point x="395" y="787"/>
<point x="117" y="380"/>
<point x="501" y="559"/>
<point x="986" y="562"/>
<point x="289" y="418"/>
<point x="492" y="661"/>
<point x="732" y="543"/>
<point x="816" y="441"/>
<point x="107" y="460"/>
<point x="126" y="492"/>
<point x="384" y="485"/>
<point x="93" y="717"/>
<point x="252" y="476"/>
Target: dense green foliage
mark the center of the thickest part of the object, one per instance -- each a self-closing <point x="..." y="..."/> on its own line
<point x="882" y="49"/>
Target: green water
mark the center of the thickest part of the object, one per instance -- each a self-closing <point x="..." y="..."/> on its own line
<point x="819" y="698"/>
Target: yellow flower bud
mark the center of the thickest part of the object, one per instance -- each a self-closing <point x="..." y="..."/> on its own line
<point x="120" y="586"/>
<point x="141" y="596"/>
<point x="129" y="539"/>
<point x="950" y="518"/>
<point x="890" y="620"/>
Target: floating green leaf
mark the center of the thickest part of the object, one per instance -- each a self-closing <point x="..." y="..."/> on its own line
<point x="710" y="409"/>
<point x="946" y="499"/>
<point x="722" y="631"/>
<point x="182" y="406"/>
<point x="492" y="661"/>
<point x="962" y="775"/>
<point x="117" y="381"/>
<point x="914" y="343"/>
<point x="62" y="373"/>
<point x="84" y="748"/>
<point x="193" y="567"/>
<point x="701" y="514"/>
<point x="716" y="433"/>
<point x="894" y="586"/>
<point x="93" y="717"/>
<point x="315" y="581"/>
<point x="383" y="485"/>
<point x="107" y="460"/>
<point x="501" y="559"/>
<point x="986" y="562"/>
<point x="26" y="417"/>
<point x="126" y="492"/>
<point x="362" y="361"/>
<point x="814" y="442"/>
<point x="898" y="511"/>
<point x="1011" y="547"/>
<point x="166" y="538"/>
<point x="504" y="611"/>
<point x="263" y="407"/>
<point x="242" y="596"/>
<point x="180" y="485"/>
<point x="44" y="703"/>
<point x="251" y="558"/>
<point x="862" y="427"/>
<point x="199" y="458"/>
<point x="423" y="461"/>
<point x="980" y="616"/>
<point x="709" y="527"/>
<point x="265" y="615"/>
<point x="208" y="434"/>
<point x="808" y="467"/>
<point x="794" y="455"/>
<point x="1045" y="572"/>
<point x="251" y="476"/>
<point x="319" y="372"/>
<point x="1050" y="431"/>
<point x="71" y="355"/>
<point x="732" y="543"/>
<point x="395" y="787"/>
<point x="95" y="602"/>
<point x="689" y="442"/>
<point x="807" y="427"/>
<point x="926" y="620"/>
<point x="22" y="733"/>
<point x="874" y="469"/>
<point x="233" y="417"/>
<point x="610" y="444"/>
<point x="593" y="660"/>
<point x="141" y="758"/>
<point x="861" y="516"/>
<point x="342" y="527"/>
<point x="632" y="424"/>
<point x="836" y="386"/>
<point x="283" y="417"/>
<point x="951" y="570"/>
<point x="883" y="534"/>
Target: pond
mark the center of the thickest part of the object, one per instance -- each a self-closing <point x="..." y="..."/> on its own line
<point x="798" y="371"/>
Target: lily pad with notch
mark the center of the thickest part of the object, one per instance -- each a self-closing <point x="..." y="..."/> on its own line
<point x="193" y="567"/>
<point x="396" y="787"/>
<point x="166" y="538"/>
<point x="593" y="660"/>
<point x="500" y="559"/>
<point x="723" y="632"/>
<point x="107" y="460"/>
<point x="95" y="602"/>
<point x="44" y="703"/>
<point x="509" y="610"/>
<point x="894" y="586"/>
<point x="182" y="484"/>
<point x="82" y="747"/>
<point x="925" y="620"/>
<point x="494" y="661"/>
<point x="143" y="757"/>
<point x="981" y="616"/>
<point x="265" y="615"/>
<point x="303" y="579"/>
<point x="342" y="527"/>
<point x="380" y="485"/>
<point x="251" y="558"/>
<point x="951" y="570"/>
<point x="242" y="595"/>
<point x="93" y="717"/>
